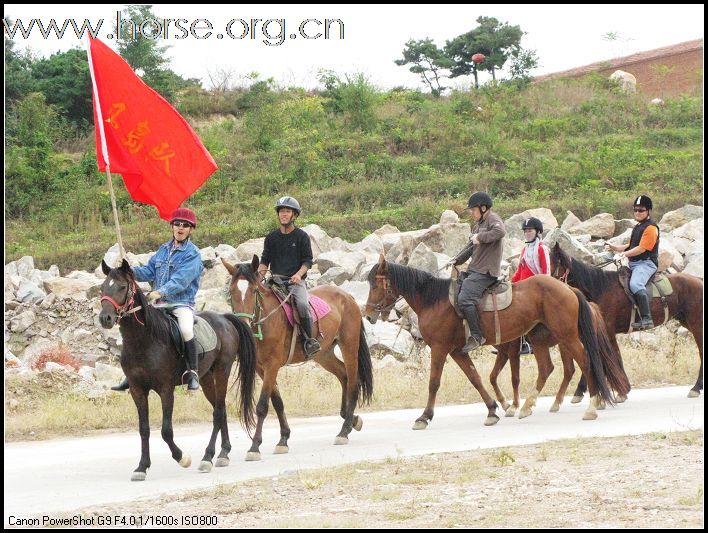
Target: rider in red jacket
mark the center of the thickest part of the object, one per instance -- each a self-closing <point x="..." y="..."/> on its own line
<point x="535" y="259"/>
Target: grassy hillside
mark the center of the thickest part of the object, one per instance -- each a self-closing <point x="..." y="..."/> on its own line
<point x="357" y="158"/>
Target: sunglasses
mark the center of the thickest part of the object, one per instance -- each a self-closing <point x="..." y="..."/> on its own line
<point x="636" y="210"/>
<point x="182" y="224"/>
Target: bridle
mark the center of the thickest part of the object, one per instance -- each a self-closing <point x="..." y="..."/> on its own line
<point x="129" y="302"/>
<point x="383" y="307"/>
<point x="556" y="272"/>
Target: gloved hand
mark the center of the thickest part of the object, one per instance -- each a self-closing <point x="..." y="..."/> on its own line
<point x="475" y="238"/>
<point x="154" y="296"/>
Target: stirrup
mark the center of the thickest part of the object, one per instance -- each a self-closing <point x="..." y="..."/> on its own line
<point x="311" y="346"/>
<point x="193" y="380"/>
<point x="473" y="344"/>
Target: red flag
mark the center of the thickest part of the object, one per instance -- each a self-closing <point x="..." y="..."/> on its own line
<point x="146" y="140"/>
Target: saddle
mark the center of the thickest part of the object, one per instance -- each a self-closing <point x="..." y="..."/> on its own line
<point x="499" y="292"/>
<point x="204" y="334"/>
<point x="658" y="286"/>
<point x="495" y="298"/>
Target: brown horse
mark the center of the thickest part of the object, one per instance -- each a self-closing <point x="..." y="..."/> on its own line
<point x="342" y="326"/>
<point x="538" y="300"/>
<point x="603" y="287"/>
<point x="542" y="340"/>
<point x="150" y="361"/>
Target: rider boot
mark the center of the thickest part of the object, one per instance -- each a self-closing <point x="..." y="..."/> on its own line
<point x="124" y="385"/>
<point x="475" y="340"/>
<point x="643" y="302"/>
<point x="192" y="372"/>
<point x="309" y="344"/>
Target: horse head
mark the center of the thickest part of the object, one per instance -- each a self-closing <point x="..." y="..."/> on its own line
<point x="244" y="285"/>
<point x="560" y="263"/>
<point x="118" y="294"/>
<point x="382" y="296"/>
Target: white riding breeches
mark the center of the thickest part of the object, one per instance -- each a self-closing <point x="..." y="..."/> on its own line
<point x="185" y="318"/>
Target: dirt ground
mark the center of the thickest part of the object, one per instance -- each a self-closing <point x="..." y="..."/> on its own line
<point x="646" y="481"/>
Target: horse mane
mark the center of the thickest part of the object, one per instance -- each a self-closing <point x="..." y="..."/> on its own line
<point x="591" y="280"/>
<point x="156" y="322"/>
<point x="411" y="282"/>
<point x="245" y="270"/>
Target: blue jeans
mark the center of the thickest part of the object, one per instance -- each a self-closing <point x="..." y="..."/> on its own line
<point x="641" y="272"/>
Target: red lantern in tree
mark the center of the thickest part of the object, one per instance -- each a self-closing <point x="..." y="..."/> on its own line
<point x="478" y="58"/>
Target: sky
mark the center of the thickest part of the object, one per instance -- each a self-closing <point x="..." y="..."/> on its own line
<point x="564" y="37"/>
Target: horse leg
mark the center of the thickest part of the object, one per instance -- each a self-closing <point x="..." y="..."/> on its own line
<point x="270" y="375"/>
<point x="694" y="325"/>
<point x="580" y="390"/>
<point x="279" y="407"/>
<point x="545" y="367"/>
<point x="514" y="364"/>
<point x="207" y="383"/>
<point x="141" y="403"/>
<point x="437" y="362"/>
<point x="349" y="344"/>
<point x="167" y="395"/>
<point x="336" y="367"/>
<point x="221" y="382"/>
<point x="465" y="363"/>
<point x="621" y="398"/>
<point x="502" y="358"/>
<point x="576" y="349"/>
<point x="568" y="371"/>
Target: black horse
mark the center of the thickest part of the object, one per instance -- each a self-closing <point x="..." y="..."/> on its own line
<point x="150" y="361"/>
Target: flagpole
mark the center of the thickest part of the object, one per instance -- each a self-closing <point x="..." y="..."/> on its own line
<point x="104" y="149"/>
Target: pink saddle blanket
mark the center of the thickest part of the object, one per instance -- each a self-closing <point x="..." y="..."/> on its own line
<point x="319" y="308"/>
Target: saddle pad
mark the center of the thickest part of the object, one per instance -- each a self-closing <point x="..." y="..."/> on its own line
<point x="205" y="335"/>
<point x="319" y="308"/>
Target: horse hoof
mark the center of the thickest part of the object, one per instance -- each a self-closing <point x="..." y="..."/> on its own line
<point x="694" y="393"/>
<point x="555" y="407"/>
<point x="281" y="449"/>
<point x="341" y="440"/>
<point x="510" y="411"/>
<point x="621" y="398"/>
<point x="576" y="399"/>
<point x="138" y="476"/>
<point x="358" y="423"/>
<point x="491" y="420"/>
<point x="505" y="405"/>
<point x="186" y="461"/>
<point x="524" y="413"/>
<point x="590" y="416"/>
<point x="253" y="456"/>
<point x="221" y="461"/>
<point x="420" y="424"/>
<point x="205" y="466"/>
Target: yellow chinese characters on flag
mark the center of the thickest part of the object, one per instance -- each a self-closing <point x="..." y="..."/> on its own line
<point x="147" y="141"/>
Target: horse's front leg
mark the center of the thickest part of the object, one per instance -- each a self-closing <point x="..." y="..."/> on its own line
<point x="499" y="363"/>
<point x="437" y="363"/>
<point x="270" y="375"/>
<point x="465" y="363"/>
<point x="279" y="407"/>
<point x="141" y="403"/>
<point x="168" y="399"/>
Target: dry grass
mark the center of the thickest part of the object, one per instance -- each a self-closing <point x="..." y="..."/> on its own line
<point x="41" y="410"/>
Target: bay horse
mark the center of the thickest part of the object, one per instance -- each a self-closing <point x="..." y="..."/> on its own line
<point x="150" y="362"/>
<point x="542" y="339"/>
<point x="343" y="326"/>
<point x="603" y="287"/>
<point x="537" y="300"/>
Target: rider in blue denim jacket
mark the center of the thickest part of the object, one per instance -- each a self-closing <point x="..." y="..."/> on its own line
<point x="174" y="273"/>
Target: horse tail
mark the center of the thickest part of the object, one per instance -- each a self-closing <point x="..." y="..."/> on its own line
<point x="246" y="372"/>
<point x="366" y="375"/>
<point x="587" y="327"/>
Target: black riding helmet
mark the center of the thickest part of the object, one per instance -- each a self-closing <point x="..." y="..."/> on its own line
<point x="644" y="201"/>
<point x="290" y="202"/>
<point x="479" y="199"/>
<point x="532" y="223"/>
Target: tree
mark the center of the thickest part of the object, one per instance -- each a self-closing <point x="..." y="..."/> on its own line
<point x="65" y="81"/>
<point x="522" y="61"/>
<point x="427" y="59"/>
<point x="495" y="40"/>
<point x="18" y="74"/>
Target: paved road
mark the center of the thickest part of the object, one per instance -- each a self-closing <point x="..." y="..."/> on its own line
<point x="67" y="474"/>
